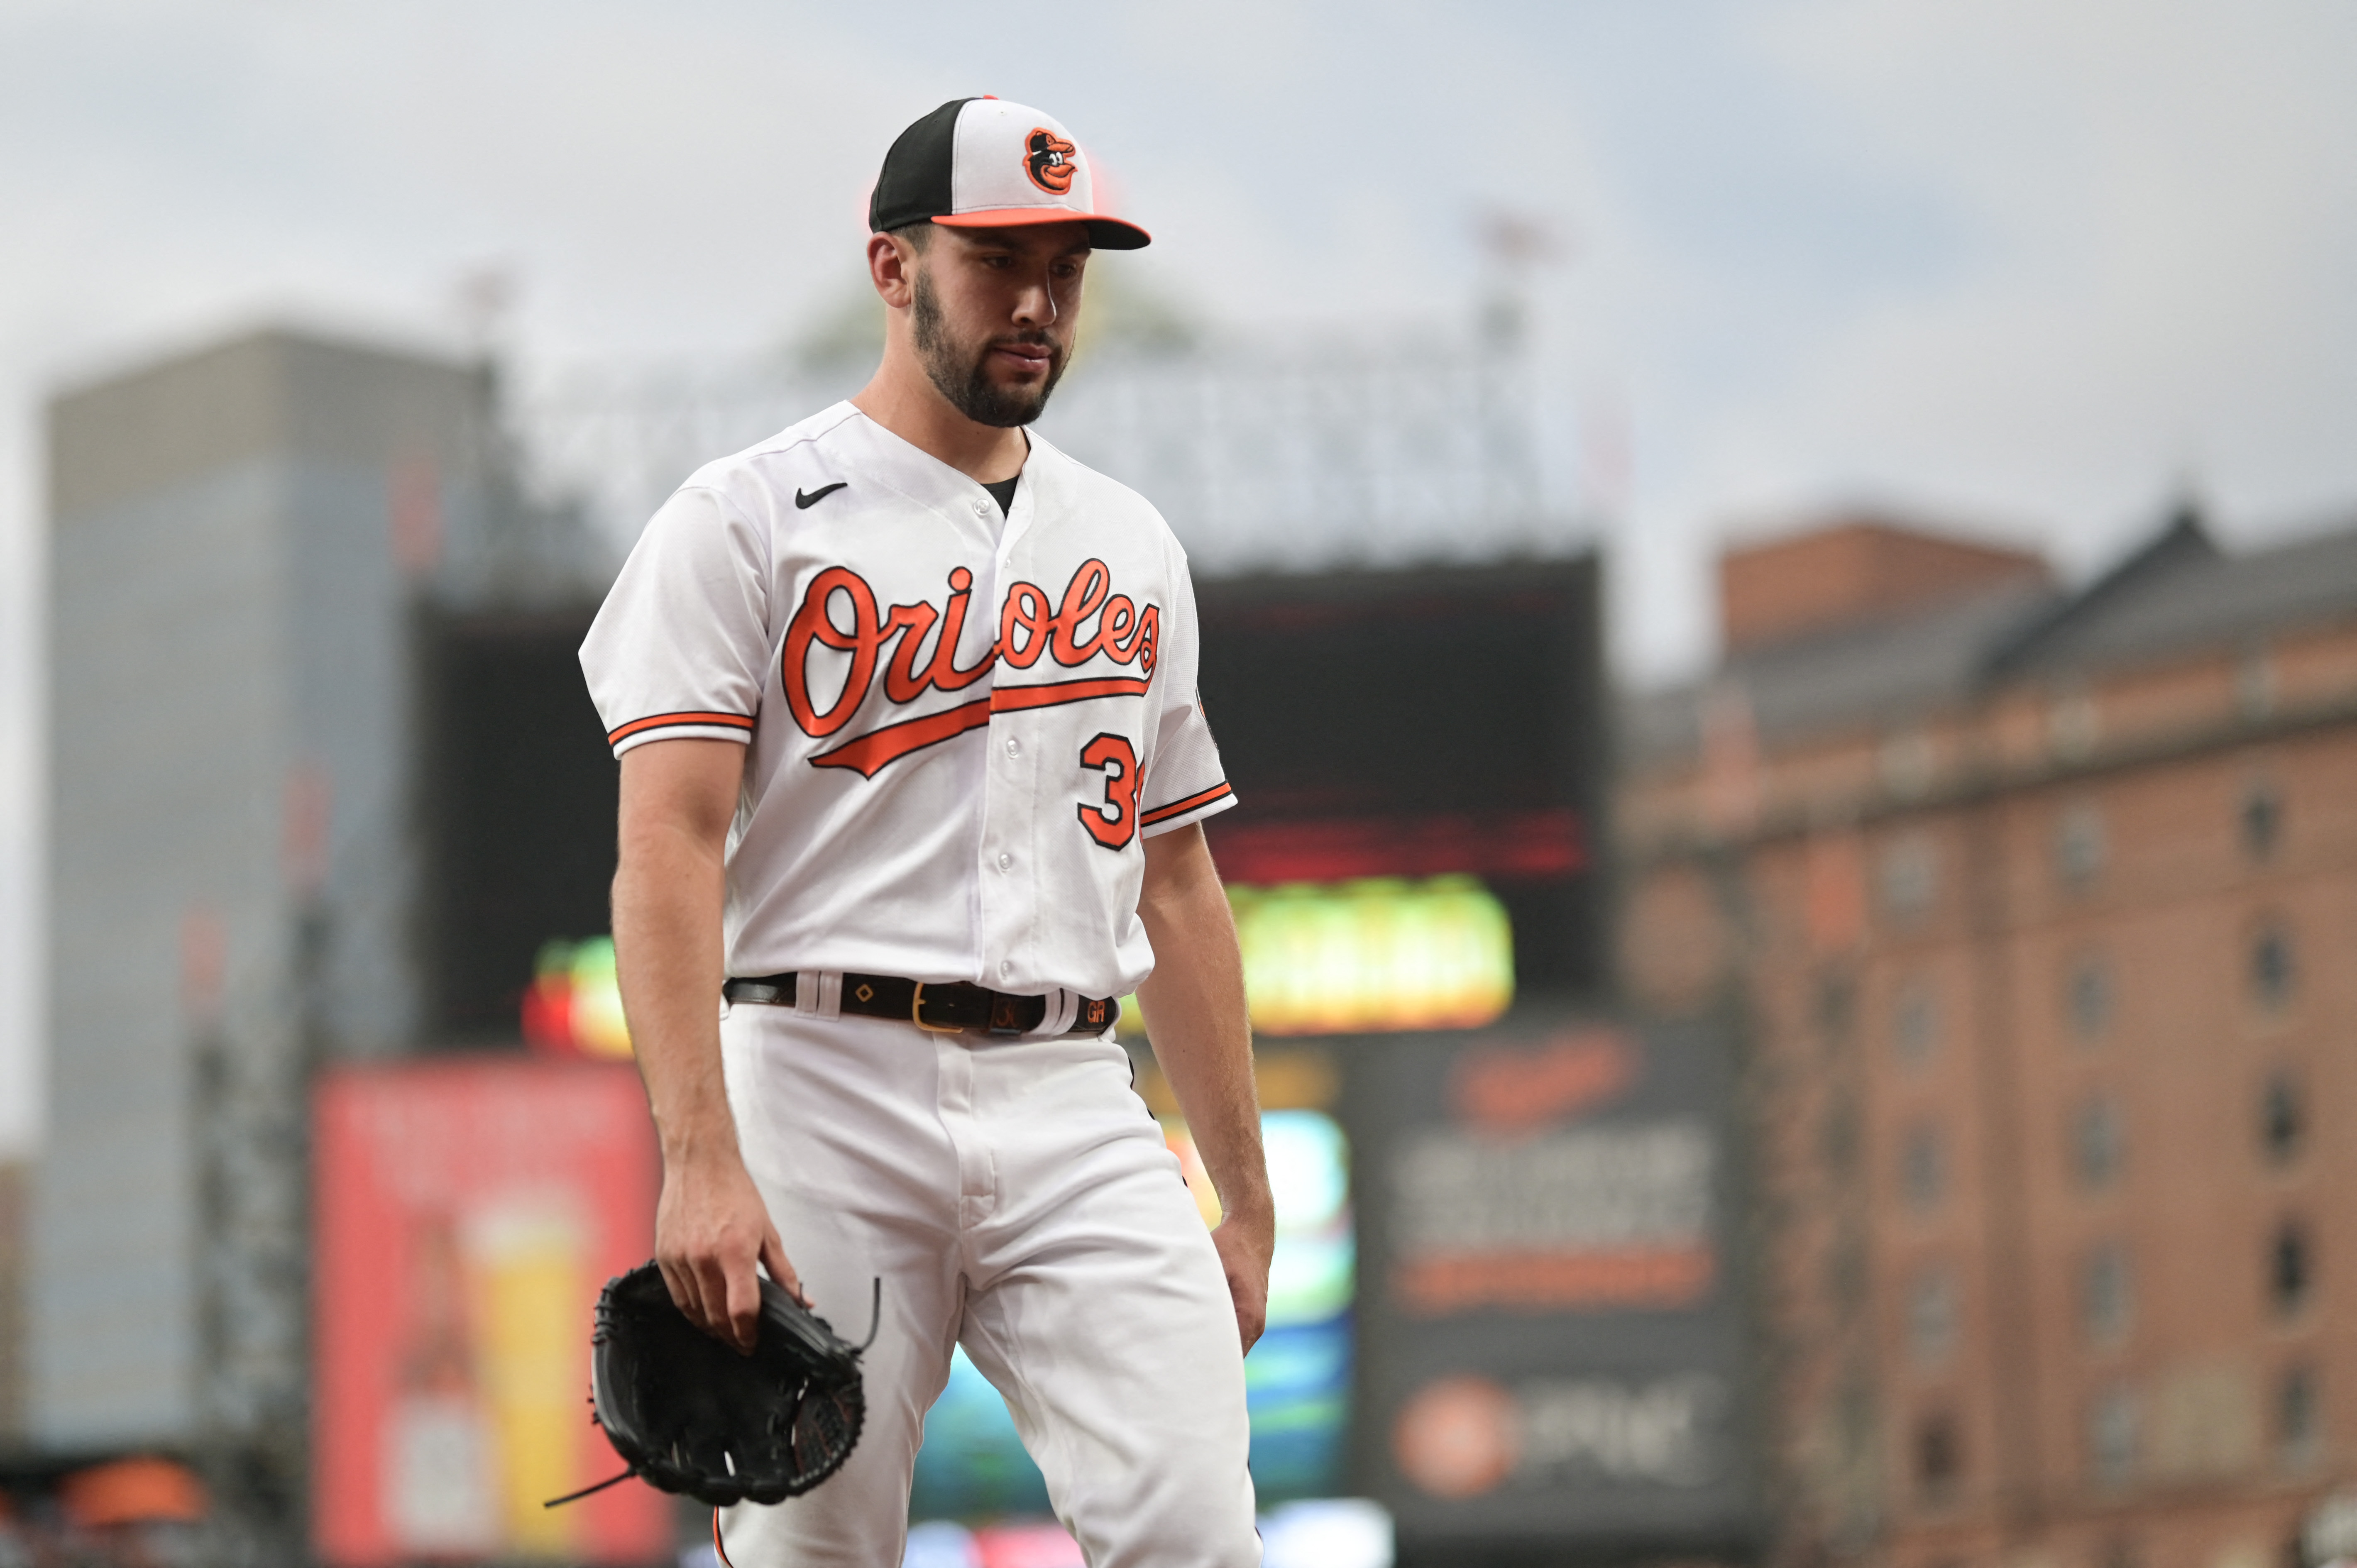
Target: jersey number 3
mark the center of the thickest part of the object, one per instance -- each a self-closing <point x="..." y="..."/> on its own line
<point x="1114" y="824"/>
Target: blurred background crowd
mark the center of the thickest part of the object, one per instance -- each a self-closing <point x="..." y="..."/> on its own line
<point x="1781" y="597"/>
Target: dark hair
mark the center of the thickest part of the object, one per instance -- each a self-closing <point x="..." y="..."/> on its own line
<point x="918" y="234"/>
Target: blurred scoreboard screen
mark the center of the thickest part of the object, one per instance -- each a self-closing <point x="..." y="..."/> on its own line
<point x="518" y="791"/>
<point x="1444" y="722"/>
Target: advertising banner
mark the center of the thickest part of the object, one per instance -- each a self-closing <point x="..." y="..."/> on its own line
<point x="1553" y="1344"/>
<point x="465" y="1214"/>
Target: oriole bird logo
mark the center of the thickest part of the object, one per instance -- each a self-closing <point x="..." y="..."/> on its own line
<point x="1050" y="161"/>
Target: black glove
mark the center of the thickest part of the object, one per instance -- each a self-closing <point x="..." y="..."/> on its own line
<point x="689" y="1414"/>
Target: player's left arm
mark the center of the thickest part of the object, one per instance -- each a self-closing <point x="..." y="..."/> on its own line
<point x="1194" y="1004"/>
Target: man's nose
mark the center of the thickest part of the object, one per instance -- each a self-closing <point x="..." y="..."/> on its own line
<point x="1035" y="305"/>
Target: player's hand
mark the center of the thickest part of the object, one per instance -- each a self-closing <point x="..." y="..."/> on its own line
<point x="1245" y="1242"/>
<point x="711" y="1228"/>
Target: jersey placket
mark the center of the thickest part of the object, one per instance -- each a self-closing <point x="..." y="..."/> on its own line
<point x="1008" y="875"/>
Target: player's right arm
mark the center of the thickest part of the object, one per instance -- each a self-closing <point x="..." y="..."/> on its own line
<point x="711" y="1226"/>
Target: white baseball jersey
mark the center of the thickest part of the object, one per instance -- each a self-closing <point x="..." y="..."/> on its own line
<point x="962" y="725"/>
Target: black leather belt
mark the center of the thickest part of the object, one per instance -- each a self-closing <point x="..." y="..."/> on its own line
<point x="951" y="1007"/>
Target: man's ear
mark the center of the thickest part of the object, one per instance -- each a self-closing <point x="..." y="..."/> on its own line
<point x="892" y="268"/>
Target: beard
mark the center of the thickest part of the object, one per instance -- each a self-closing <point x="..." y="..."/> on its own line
<point x="961" y="373"/>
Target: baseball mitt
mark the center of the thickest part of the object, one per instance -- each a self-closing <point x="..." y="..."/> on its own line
<point x="689" y="1414"/>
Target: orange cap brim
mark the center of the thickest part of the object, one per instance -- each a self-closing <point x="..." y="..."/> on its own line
<point x="1105" y="233"/>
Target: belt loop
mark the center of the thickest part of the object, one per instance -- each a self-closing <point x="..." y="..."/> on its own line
<point x="1063" y="1006"/>
<point x="819" y="994"/>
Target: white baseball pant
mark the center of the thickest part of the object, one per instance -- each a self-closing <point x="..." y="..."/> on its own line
<point x="1016" y="1197"/>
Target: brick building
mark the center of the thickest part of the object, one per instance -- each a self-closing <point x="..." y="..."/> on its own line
<point x="2038" y="910"/>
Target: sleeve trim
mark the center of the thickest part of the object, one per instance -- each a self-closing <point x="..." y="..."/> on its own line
<point x="668" y="721"/>
<point x="1219" y="795"/>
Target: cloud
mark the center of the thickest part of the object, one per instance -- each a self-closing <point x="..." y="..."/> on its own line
<point x="2165" y="221"/>
<point x="2150" y="213"/>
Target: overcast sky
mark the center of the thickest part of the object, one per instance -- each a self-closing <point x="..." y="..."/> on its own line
<point x="2026" y="266"/>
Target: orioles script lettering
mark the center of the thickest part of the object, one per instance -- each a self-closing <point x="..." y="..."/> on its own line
<point x="1089" y="621"/>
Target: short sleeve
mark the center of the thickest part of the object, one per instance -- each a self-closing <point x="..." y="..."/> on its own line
<point x="681" y="645"/>
<point x="1185" y="783"/>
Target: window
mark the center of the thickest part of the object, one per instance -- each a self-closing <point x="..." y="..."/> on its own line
<point x="2262" y="821"/>
<point x="1909" y="876"/>
<point x="1908" y="762"/>
<point x="1855" y="1417"/>
<point x="1923" y="1169"/>
<point x="2291" y="1267"/>
<point x="1837" y="1136"/>
<point x="1915" y="1023"/>
<point x="2079" y="846"/>
<point x="1931" y="1318"/>
<point x="2107" y="1296"/>
<point x="2098" y="1142"/>
<point x="2087" y="996"/>
<point x="2072" y="726"/>
<point x="1939" y="1456"/>
<point x="2272" y="967"/>
<point x="2282" y="1119"/>
<point x="2298" y="1415"/>
<point x="1845" y="1274"/>
<point x="1836" y="1008"/>
<point x="2112" y="1436"/>
<point x="2254" y="683"/>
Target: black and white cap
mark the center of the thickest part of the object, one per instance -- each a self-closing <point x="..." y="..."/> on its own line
<point x="984" y="163"/>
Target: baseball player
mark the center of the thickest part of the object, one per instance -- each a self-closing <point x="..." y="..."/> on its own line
<point x="913" y="775"/>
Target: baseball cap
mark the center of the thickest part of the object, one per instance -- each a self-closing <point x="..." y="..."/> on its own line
<point x="984" y="163"/>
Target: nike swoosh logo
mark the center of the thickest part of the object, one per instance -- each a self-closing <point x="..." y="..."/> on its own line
<point x="805" y="500"/>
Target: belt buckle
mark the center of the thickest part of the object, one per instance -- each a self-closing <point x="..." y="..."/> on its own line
<point x="917" y="1016"/>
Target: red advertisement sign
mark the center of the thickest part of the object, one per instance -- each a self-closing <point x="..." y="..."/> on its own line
<point x="467" y="1213"/>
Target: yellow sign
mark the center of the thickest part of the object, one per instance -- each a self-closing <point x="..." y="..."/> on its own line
<point x="1378" y="954"/>
<point x="1341" y="958"/>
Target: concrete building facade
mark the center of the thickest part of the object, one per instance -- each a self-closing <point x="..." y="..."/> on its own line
<point x="248" y="543"/>
<point x="2037" y="908"/>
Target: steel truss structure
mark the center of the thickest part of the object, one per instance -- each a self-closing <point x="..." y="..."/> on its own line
<point x="1306" y="459"/>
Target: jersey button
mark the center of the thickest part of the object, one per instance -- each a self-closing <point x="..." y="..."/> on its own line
<point x="1005" y="969"/>
<point x="1005" y="860"/>
<point x="1014" y="746"/>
